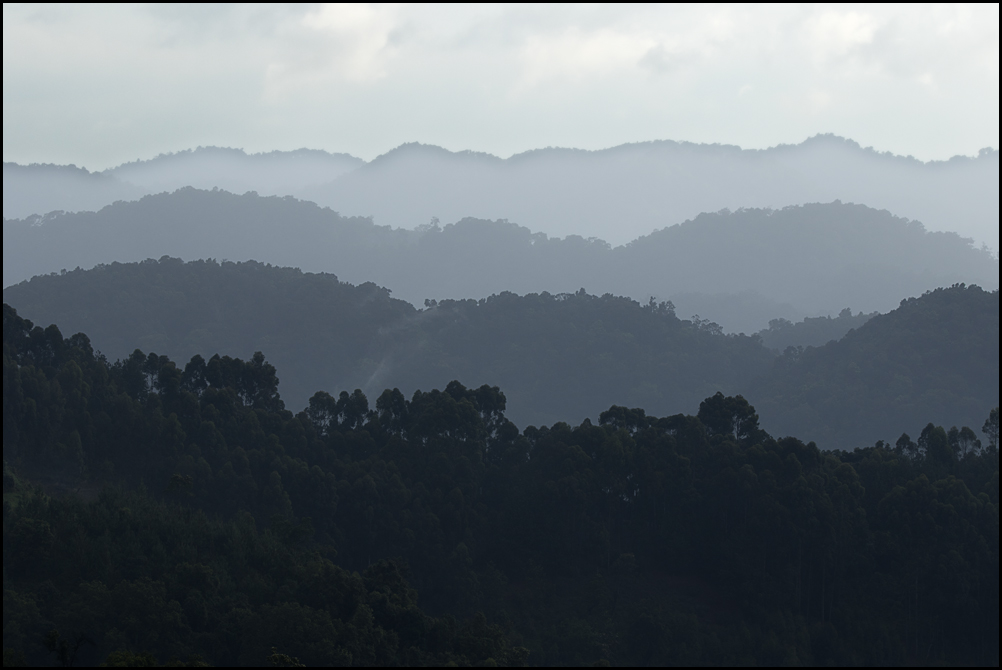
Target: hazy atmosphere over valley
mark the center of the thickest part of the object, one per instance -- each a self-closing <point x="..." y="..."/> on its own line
<point x="501" y="335"/>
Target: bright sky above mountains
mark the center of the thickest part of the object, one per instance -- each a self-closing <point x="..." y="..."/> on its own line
<point x="97" y="86"/>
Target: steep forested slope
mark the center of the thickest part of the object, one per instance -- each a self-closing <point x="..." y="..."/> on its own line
<point x="241" y="531"/>
<point x="935" y="358"/>
<point x="740" y="269"/>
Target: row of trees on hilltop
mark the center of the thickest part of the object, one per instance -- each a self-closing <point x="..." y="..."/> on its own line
<point x="429" y="528"/>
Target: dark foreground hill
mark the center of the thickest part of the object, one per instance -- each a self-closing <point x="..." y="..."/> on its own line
<point x="559" y="357"/>
<point x="430" y="530"/>
<point x="739" y="269"/>
<point x="935" y="358"/>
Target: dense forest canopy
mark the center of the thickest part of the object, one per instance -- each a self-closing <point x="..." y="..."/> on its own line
<point x="156" y="510"/>
<point x="559" y="357"/>
<point x="739" y="269"/>
<point x="595" y="476"/>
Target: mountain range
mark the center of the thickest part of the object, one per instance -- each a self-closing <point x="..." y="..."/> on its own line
<point x="558" y="357"/>
<point x="615" y="194"/>
<point x="740" y="269"/>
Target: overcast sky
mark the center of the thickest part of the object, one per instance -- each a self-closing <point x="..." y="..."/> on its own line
<point x="97" y="86"/>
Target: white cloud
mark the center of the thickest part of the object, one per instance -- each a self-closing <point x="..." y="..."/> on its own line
<point x="357" y="38"/>
<point x="833" y="34"/>
<point x="95" y="85"/>
<point x="576" y="54"/>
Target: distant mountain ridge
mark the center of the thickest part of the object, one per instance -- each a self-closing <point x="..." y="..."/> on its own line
<point x="271" y="173"/>
<point x="620" y="193"/>
<point x="43" y="188"/>
<point x="741" y="269"/>
<point x="615" y="194"/>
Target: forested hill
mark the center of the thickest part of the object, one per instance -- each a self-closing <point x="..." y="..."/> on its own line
<point x="560" y="357"/>
<point x="935" y="358"/>
<point x="740" y="269"/>
<point x="178" y="513"/>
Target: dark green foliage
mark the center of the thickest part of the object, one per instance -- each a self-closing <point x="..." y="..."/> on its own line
<point x="935" y="358"/>
<point x="430" y="530"/>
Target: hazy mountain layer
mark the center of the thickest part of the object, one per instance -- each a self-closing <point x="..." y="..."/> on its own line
<point x="616" y="194"/>
<point x="620" y="193"/>
<point x="40" y="189"/>
<point x="272" y="173"/>
<point x="558" y="357"/>
<point x="935" y="358"/>
<point x="739" y="269"/>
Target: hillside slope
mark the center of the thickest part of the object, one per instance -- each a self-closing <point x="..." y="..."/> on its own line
<point x="935" y="358"/>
